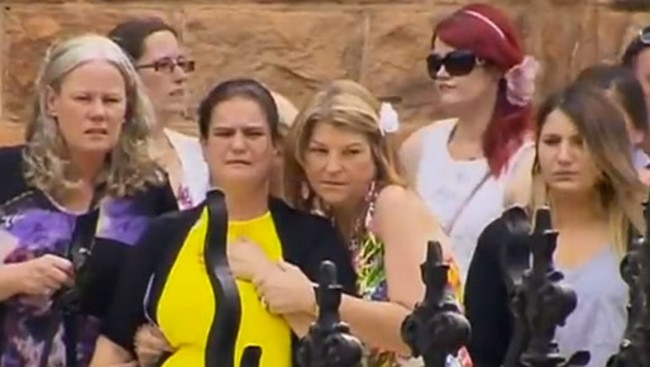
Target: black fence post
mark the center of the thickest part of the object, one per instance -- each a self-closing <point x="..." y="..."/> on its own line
<point x="514" y="261"/>
<point x="329" y="342"/>
<point x="251" y="357"/>
<point x="547" y="300"/>
<point x="436" y="329"/>
<point x="540" y="300"/>
<point x="634" y="350"/>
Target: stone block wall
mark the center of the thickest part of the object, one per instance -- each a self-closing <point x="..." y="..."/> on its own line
<point x="296" y="45"/>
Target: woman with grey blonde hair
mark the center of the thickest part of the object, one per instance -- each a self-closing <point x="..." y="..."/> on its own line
<point x="73" y="200"/>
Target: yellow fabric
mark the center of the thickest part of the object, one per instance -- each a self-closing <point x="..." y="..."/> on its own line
<point x="454" y="279"/>
<point x="187" y="305"/>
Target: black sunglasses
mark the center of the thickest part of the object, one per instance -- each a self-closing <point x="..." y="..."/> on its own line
<point x="456" y="63"/>
<point x="169" y="65"/>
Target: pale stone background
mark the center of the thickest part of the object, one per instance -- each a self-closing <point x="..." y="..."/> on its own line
<point x="296" y="45"/>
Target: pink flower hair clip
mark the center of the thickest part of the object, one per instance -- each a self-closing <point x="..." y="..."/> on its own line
<point x="521" y="81"/>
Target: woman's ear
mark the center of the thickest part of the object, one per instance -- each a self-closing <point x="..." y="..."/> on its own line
<point x="278" y="147"/>
<point x="51" y="101"/>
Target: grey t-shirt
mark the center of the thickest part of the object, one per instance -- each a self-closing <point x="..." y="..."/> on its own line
<point x="598" y="323"/>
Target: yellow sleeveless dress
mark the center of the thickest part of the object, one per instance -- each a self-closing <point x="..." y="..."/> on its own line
<point x="186" y="306"/>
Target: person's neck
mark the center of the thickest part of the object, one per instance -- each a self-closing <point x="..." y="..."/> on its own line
<point x="161" y="144"/>
<point x="158" y="133"/>
<point x="346" y="216"/>
<point x="473" y="120"/>
<point x="163" y="121"/>
<point x="571" y="210"/>
<point x="87" y="170"/>
<point x="87" y="167"/>
<point x="246" y="203"/>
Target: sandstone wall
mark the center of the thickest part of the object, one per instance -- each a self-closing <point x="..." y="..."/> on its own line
<point x="295" y="45"/>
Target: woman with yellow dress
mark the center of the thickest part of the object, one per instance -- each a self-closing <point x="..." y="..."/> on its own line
<point x="167" y="283"/>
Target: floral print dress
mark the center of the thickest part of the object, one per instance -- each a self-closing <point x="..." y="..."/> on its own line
<point x="368" y="253"/>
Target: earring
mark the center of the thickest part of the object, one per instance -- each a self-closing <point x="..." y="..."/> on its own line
<point x="304" y="191"/>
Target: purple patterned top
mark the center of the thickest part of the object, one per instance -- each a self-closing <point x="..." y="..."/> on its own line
<point x="30" y="226"/>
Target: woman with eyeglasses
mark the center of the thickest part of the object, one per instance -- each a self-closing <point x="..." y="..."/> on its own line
<point x="461" y="165"/>
<point x="163" y="67"/>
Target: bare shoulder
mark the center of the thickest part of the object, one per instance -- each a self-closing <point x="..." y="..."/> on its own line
<point x="401" y="213"/>
<point x="392" y="196"/>
<point x="413" y="143"/>
<point x="410" y="151"/>
<point x="397" y="203"/>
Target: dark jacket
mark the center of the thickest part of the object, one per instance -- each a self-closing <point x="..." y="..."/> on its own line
<point x="306" y="241"/>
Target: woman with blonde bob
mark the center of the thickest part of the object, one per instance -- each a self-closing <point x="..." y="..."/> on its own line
<point x="339" y="163"/>
<point x="583" y="171"/>
<point x="82" y="187"/>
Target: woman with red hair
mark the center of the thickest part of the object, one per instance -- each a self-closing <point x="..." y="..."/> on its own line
<point x="461" y="166"/>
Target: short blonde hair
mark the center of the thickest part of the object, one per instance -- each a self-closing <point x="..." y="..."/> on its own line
<point x="347" y="104"/>
<point x="128" y="168"/>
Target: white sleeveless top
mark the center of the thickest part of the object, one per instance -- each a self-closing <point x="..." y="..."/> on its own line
<point x="444" y="184"/>
<point x="195" y="180"/>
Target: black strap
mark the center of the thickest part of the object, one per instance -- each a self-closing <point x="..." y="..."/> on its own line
<point x="220" y="349"/>
<point x="70" y="339"/>
<point x="66" y="301"/>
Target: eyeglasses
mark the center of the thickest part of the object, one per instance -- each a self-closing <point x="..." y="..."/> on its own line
<point x="644" y="36"/>
<point x="169" y="65"/>
<point x="456" y="63"/>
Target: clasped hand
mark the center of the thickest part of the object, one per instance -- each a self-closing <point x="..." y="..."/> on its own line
<point x="44" y="275"/>
<point x="282" y="286"/>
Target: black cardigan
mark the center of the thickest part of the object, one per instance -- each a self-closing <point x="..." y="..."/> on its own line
<point x="486" y="299"/>
<point x="306" y="239"/>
